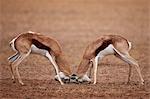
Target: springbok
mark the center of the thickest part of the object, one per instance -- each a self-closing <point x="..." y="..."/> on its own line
<point x="103" y="46"/>
<point x="32" y="42"/>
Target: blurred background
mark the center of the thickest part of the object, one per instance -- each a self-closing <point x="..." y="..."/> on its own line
<point x="76" y="23"/>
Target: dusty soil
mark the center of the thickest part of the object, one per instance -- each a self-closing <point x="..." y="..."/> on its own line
<point x="75" y="23"/>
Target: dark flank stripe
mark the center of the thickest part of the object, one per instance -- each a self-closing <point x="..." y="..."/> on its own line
<point x="103" y="46"/>
<point x="40" y="45"/>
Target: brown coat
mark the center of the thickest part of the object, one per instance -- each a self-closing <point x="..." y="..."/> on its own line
<point x="120" y="43"/>
<point x="24" y="41"/>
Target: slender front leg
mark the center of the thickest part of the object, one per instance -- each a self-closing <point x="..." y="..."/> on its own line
<point x="95" y="63"/>
<point x="55" y="66"/>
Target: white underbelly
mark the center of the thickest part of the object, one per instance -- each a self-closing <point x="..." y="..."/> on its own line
<point x="36" y="50"/>
<point x="107" y="51"/>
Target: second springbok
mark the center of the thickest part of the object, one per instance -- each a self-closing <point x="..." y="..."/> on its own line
<point x="31" y="42"/>
<point x="103" y="46"/>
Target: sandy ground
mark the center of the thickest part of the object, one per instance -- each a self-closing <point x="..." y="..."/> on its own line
<point x="75" y="23"/>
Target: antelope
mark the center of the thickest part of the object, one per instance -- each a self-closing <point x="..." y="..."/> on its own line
<point x="103" y="46"/>
<point x="36" y="43"/>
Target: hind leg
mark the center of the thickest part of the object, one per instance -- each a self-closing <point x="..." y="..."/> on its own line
<point x="11" y="60"/>
<point x="12" y="73"/>
<point x="129" y="76"/>
<point x="15" y="66"/>
<point x="127" y="58"/>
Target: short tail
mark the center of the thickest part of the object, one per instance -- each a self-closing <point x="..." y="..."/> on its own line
<point x="12" y="44"/>
<point x="130" y="45"/>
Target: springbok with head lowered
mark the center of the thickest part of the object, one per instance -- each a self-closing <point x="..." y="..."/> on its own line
<point x="103" y="46"/>
<point x="31" y="42"/>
